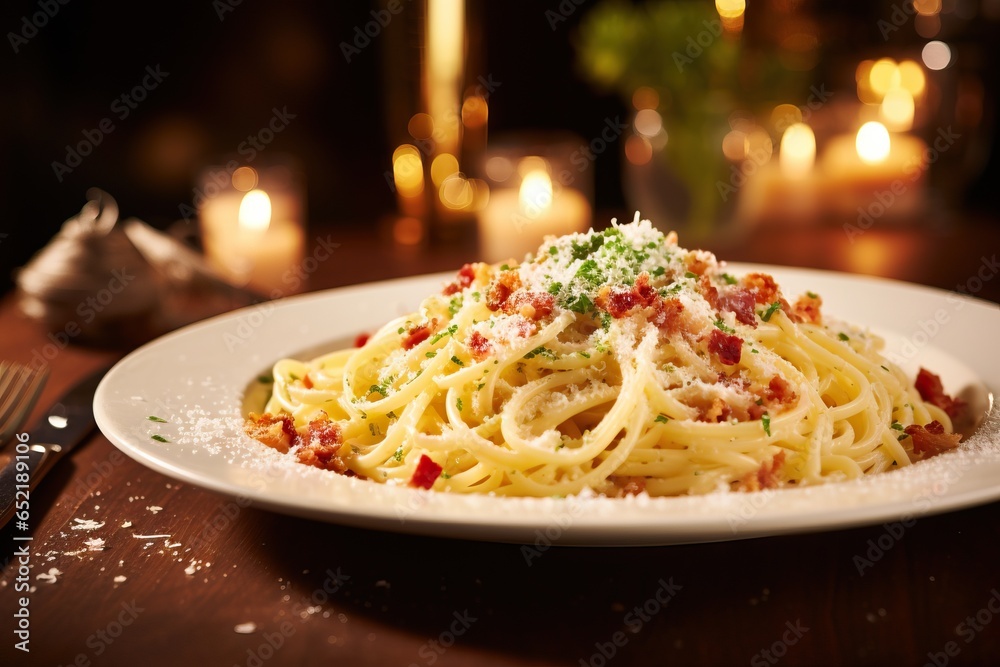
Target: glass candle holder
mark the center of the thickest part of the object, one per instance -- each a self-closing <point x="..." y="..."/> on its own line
<point x="540" y="185"/>
<point x="251" y="219"/>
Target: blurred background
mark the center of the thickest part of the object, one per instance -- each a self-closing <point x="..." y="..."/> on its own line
<point x="430" y="122"/>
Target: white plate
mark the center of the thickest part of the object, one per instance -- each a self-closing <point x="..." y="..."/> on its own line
<point x="196" y="379"/>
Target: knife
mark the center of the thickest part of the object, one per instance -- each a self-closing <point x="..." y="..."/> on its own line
<point x="65" y="424"/>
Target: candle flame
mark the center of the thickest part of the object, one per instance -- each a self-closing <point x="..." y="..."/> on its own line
<point x="535" y="195"/>
<point x="798" y="150"/>
<point x="255" y="211"/>
<point x="873" y="143"/>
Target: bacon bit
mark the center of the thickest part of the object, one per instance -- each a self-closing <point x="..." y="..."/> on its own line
<point x="462" y="280"/>
<point x="718" y="412"/>
<point x="779" y="391"/>
<point x="276" y="431"/>
<point x="501" y="288"/>
<point x="361" y="339"/>
<point x="307" y="382"/>
<point x="667" y="314"/>
<point x="696" y="264"/>
<point x="766" y="477"/>
<point x="931" y="390"/>
<point x="418" y="334"/>
<point x="931" y="440"/>
<point x="426" y="473"/>
<point x="763" y="288"/>
<point x="741" y="302"/>
<point x="320" y="445"/>
<point x="621" y="301"/>
<point x="737" y="300"/>
<point x="726" y="346"/>
<point x="531" y="305"/>
<point x="479" y="345"/>
<point x="806" y="309"/>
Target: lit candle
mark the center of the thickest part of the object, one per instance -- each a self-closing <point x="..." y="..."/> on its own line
<point x="254" y="238"/>
<point x="515" y="221"/>
<point x="872" y="166"/>
<point x="798" y="151"/>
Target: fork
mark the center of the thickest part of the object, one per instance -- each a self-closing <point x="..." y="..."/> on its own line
<point x="20" y="387"/>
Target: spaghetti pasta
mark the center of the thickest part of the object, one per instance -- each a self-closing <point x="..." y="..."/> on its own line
<point x="612" y="361"/>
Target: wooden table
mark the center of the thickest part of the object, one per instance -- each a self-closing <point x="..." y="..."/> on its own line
<point x="231" y="584"/>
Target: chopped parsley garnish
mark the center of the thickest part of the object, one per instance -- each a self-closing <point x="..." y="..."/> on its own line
<point x="458" y="404"/>
<point x="719" y="324"/>
<point x="293" y="377"/>
<point x="690" y="274"/>
<point x="662" y="418"/>
<point x="897" y="426"/>
<point x="729" y="280"/>
<point x="541" y="351"/>
<point x="585" y="355"/>
<point x="812" y="295"/>
<point x="450" y="331"/>
<point x="766" y="316"/>
<point x="553" y="250"/>
<point x="431" y="354"/>
<point x="657" y="272"/>
<point x="400" y="330"/>
<point x="579" y="304"/>
<point x="454" y="305"/>
<point x="153" y="418"/>
<point x="445" y="475"/>
<point x="458" y="362"/>
<point x="159" y="438"/>
<point x="903" y="437"/>
<point x="376" y="389"/>
<point x="843" y="336"/>
<point x="554" y="288"/>
<point x="505" y="267"/>
<point x="765" y="419"/>
<point x="265" y="379"/>
<point x="375" y="430"/>
<point x="398" y="455"/>
<point x="475" y="296"/>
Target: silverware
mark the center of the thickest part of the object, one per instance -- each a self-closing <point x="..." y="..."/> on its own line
<point x="67" y="423"/>
<point x="20" y="387"/>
